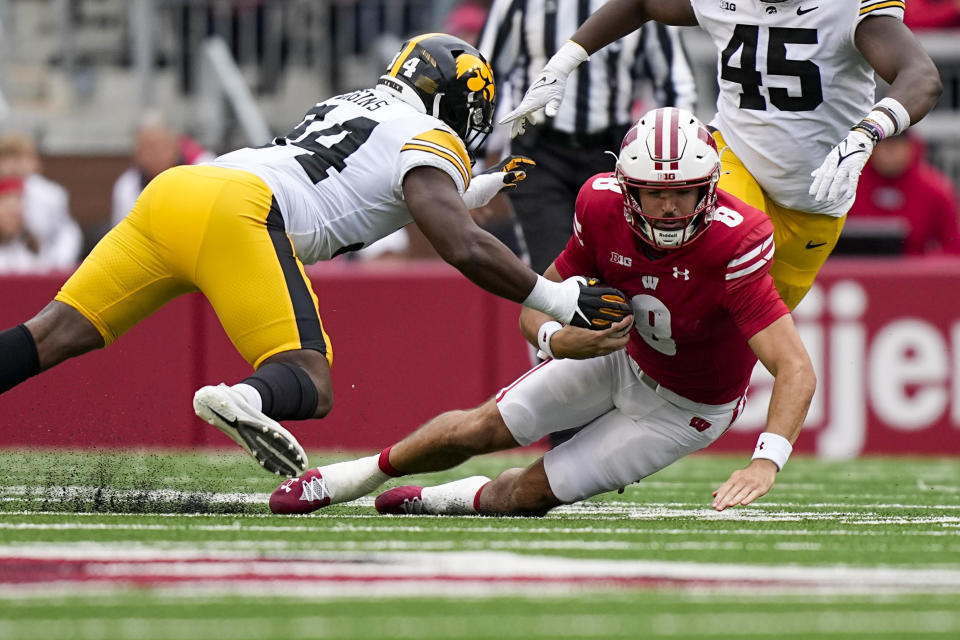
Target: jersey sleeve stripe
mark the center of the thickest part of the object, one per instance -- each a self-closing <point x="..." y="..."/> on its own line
<point x="750" y="255"/>
<point x="447" y="140"/>
<point x="867" y="7"/>
<point x="753" y="267"/>
<point x="443" y="153"/>
<point x="577" y="230"/>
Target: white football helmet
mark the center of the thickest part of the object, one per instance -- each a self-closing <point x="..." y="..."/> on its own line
<point x="668" y="148"/>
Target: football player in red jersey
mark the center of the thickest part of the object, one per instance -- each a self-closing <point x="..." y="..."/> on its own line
<point x="694" y="262"/>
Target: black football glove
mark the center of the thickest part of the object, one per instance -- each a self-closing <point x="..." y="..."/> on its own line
<point x="514" y="168"/>
<point x="599" y="306"/>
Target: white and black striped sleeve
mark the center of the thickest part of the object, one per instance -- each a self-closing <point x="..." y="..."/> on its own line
<point x="500" y="39"/>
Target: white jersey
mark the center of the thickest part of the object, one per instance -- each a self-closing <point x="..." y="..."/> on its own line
<point x="337" y="177"/>
<point x="792" y="84"/>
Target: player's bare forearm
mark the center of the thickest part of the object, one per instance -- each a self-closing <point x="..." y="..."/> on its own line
<point x="780" y="350"/>
<point x="897" y="56"/>
<point x="439" y="211"/>
<point x="618" y="18"/>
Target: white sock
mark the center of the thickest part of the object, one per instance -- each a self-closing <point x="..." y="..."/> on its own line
<point x="250" y="395"/>
<point x="453" y="498"/>
<point x="352" y="479"/>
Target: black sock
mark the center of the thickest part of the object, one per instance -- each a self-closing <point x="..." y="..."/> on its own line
<point x="18" y="357"/>
<point x="287" y="391"/>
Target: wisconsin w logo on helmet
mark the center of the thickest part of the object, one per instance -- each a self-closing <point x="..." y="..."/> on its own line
<point x="448" y="79"/>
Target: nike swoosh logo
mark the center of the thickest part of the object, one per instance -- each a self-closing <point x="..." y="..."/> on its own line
<point x="542" y="82"/>
<point x="801" y="11"/>
<point x="842" y="157"/>
<point x="812" y="245"/>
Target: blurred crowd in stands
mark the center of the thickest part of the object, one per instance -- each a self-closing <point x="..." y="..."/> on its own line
<point x="904" y="204"/>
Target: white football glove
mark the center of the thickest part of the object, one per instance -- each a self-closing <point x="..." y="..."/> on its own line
<point x="542" y="100"/>
<point x="836" y="179"/>
<point x="489" y="183"/>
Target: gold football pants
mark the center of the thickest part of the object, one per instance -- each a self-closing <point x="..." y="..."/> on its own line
<point x="803" y="240"/>
<point x="208" y="229"/>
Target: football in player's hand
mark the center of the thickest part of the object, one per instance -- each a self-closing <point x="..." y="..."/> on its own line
<point x="599" y="306"/>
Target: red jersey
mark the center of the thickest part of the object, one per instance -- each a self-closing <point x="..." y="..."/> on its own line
<point x="694" y="307"/>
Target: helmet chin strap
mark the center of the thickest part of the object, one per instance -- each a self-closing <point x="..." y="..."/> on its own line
<point x="435" y="109"/>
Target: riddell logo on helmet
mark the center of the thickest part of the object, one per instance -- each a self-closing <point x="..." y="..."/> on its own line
<point x="481" y="77"/>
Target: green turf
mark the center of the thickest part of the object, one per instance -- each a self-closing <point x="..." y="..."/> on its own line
<point x="897" y="513"/>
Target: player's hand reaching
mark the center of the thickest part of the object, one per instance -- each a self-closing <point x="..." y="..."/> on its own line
<point x="542" y="100"/>
<point x="836" y="179"/>
<point x="746" y="485"/>
<point x="505" y="175"/>
<point x="598" y="306"/>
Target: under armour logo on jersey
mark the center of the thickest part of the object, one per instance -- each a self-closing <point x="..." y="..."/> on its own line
<point x="681" y="273"/>
<point x="619" y="259"/>
<point x="650" y="282"/>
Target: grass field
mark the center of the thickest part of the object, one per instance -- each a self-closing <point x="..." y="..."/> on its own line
<point x="169" y="546"/>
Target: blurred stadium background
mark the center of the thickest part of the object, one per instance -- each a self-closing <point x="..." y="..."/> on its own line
<point x="79" y="74"/>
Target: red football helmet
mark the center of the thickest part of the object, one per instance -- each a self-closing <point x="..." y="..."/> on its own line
<point x="668" y="149"/>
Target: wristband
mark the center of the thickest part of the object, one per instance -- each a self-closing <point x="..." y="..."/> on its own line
<point x="773" y="447"/>
<point x="870" y="128"/>
<point x="556" y="299"/>
<point x="895" y="112"/>
<point x="544" y="333"/>
<point x="567" y="58"/>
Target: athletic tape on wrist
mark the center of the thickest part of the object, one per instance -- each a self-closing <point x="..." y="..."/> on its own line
<point x="544" y="333"/>
<point x="567" y="58"/>
<point x="894" y="111"/>
<point x="773" y="447"/>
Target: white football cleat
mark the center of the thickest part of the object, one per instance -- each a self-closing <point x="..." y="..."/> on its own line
<point x="270" y="444"/>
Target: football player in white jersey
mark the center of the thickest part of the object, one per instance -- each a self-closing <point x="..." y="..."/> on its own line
<point x="240" y="229"/>
<point x="796" y="119"/>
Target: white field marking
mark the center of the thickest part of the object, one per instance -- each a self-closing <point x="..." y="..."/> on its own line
<point x="300" y="549"/>
<point x="393" y="526"/>
<point x="118" y="564"/>
<point x="923" y="486"/>
<point x="107" y="493"/>
<point x="616" y="507"/>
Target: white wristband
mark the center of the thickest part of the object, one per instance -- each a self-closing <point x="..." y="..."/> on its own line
<point x="546" y="331"/>
<point x="556" y="299"/>
<point x="567" y="58"/>
<point x="773" y="447"/>
<point x="882" y="112"/>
